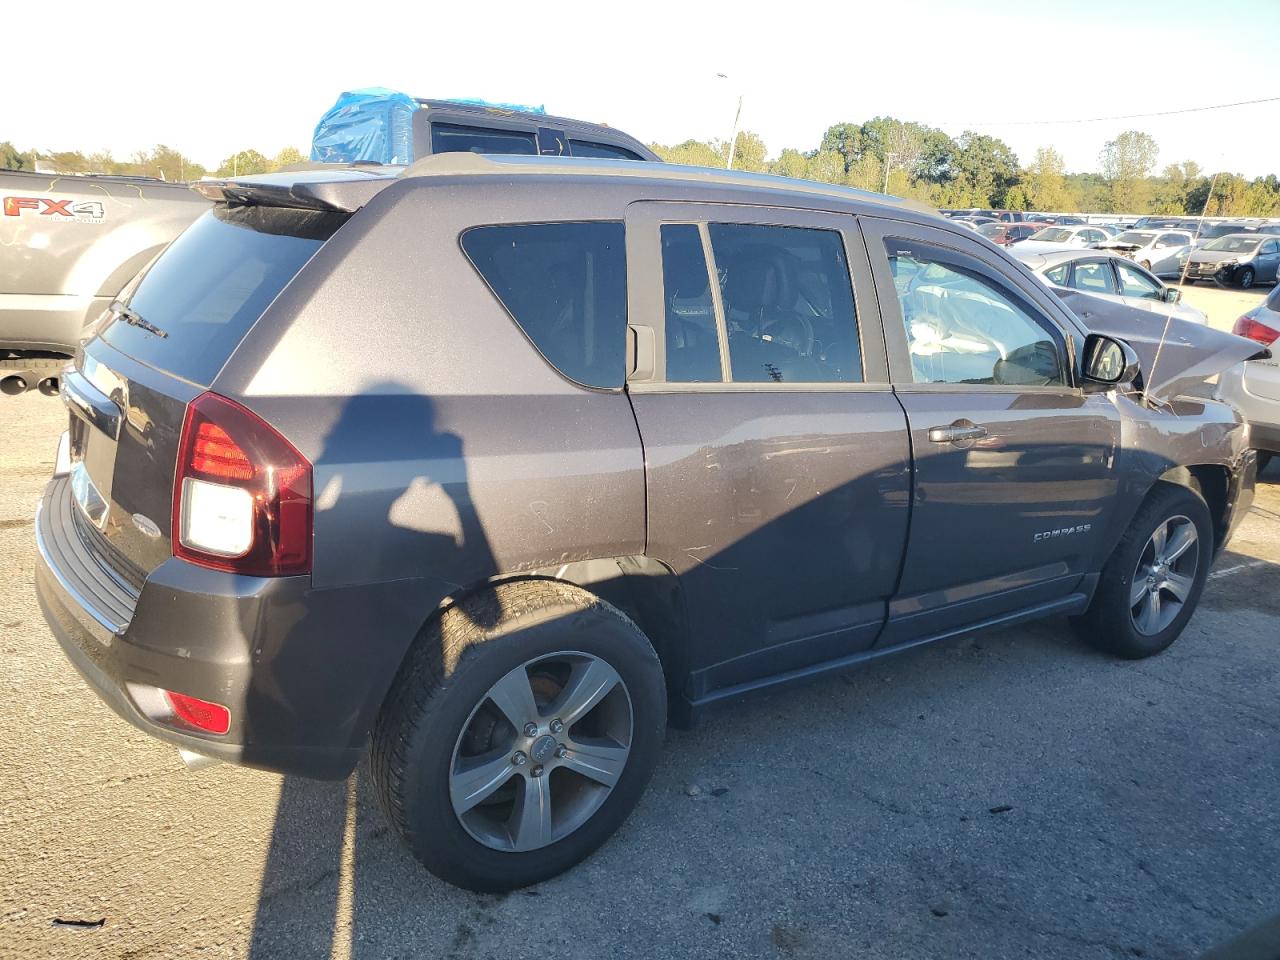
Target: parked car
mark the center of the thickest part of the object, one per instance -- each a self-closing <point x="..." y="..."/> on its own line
<point x="1111" y="277"/>
<point x="1060" y="238"/>
<point x="1238" y="259"/>
<point x="1161" y="252"/>
<point x="68" y="244"/>
<point x="1004" y="234"/>
<point x="601" y="465"/>
<point x="1253" y="386"/>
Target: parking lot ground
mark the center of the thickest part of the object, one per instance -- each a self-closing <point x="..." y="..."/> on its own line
<point x="1008" y="795"/>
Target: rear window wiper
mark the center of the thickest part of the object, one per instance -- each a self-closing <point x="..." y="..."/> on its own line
<point x="134" y="319"/>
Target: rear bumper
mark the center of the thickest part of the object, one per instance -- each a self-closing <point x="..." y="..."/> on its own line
<point x="301" y="670"/>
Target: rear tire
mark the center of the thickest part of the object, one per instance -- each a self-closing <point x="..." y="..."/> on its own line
<point x="444" y="721"/>
<point x="1119" y="620"/>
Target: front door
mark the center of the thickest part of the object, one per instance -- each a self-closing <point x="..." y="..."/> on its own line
<point x="776" y="456"/>
<point x="1014" y="465"/>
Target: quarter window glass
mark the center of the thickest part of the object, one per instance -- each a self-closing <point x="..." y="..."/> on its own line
<point x="566" y="286"/>
<point x="693" y="345"/>
<point x="1135" y="284"/>
<point x="455" y="138"/>
<point x="1093" y="277"/>
<point x="585" y="148"/>
<point x="962" y="327"/>
<point x="788" y="304"/>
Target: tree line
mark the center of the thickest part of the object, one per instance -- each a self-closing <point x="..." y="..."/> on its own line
<point x="910" y="159"/>
<point x="160" y="161"/>
<point x="903" y="158"/>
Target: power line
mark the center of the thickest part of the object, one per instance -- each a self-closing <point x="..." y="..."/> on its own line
<point x="1126" y="116"/>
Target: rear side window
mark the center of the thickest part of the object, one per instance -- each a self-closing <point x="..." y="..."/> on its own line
<point x="1093" y="276"/>
<point x="456" y="138"/>
<point x="585" y="148"/>
<point x="788" y="304"/>
<point x="197" y="301"/>
<point x="565" y="284"/>
<point x="693" y="345"/>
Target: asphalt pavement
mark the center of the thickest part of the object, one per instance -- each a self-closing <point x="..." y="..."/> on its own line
<point x="1009" y="795"/>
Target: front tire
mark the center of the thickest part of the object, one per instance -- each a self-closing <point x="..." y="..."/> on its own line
<point x="1244" y="279"/>
<point x="1152" y="583"/>
<point x="520" y="733"/>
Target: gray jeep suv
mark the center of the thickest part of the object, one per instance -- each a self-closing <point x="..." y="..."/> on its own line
<point x="494" y="465"/>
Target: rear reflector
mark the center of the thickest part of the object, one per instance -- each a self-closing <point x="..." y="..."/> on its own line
<point x="201" y="714"/>
<point x="1246" y="326"/>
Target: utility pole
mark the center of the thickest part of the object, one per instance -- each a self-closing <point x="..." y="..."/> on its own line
<point x="888" y="162"/>
<point x="733" y="137"/>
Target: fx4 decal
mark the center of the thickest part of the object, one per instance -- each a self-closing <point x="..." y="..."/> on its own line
<point x="81" y="211"/>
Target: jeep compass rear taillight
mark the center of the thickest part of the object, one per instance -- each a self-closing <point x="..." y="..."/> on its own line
<point x="241" y="493"/>
<point x="1247" y="326"/>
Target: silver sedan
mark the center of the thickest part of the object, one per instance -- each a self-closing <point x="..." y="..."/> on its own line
<point x="1111" y="277"/>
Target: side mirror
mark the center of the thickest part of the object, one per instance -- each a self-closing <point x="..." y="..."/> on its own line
<point x="1172" y="294"/>
<point x="1107" y="363"/>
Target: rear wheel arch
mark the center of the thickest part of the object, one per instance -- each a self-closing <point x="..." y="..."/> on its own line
<point x="642" y="588"/>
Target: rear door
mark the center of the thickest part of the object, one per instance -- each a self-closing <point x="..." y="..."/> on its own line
<point x="1014" y="464"/>
<point x="777" y="458"/>
<point x="181" y="320"/>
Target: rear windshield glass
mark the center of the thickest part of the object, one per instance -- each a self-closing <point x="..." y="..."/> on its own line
<point x="566" y="285"/>
<point x="1053" y="235"/>
<point x="1141" y="239"/>
<point x="991" y="229"/>
<point x="195" y="303"/>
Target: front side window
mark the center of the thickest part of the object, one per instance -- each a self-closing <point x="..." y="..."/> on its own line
<point x="1134" y="283"/>
<point x="1093" y="276"/>
<point x="565" y="284"/>
<point x="458" y="138"/>
<point x="964" y="327"/>
<point x="788" y="304"/>
<point x="693" y="344"/>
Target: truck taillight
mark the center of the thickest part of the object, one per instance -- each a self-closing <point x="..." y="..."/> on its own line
<point x="1246" y="326"/>
<point x="241" y="493"/>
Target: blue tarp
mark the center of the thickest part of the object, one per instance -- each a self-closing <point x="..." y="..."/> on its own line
<point x="375" y="124"/>
<point x="372" y="124"/>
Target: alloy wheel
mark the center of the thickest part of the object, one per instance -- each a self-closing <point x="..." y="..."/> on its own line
<point x="1164" y="576"/>
<point x="541" y="752"/>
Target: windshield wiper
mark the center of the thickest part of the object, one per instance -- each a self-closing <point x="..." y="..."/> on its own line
<point x="134" y="319"/>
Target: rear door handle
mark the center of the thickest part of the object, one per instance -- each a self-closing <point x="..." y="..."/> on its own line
<point x="960" y="430"/>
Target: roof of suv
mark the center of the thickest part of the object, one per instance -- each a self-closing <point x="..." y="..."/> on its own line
<point x="348" y="187"/>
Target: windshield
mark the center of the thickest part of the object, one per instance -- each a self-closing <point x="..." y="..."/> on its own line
<point x="1053" y="235"/>
<point x="1135" y="237"/>
<point x="195" y="304"/>
<point x="1216" y="230"/>
<point x="1235" y="244"/>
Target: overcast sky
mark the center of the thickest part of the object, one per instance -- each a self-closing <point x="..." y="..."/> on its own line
<point x="211" y="80"/>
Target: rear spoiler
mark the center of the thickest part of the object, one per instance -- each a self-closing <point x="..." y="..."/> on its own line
<point x="345" y="189"/>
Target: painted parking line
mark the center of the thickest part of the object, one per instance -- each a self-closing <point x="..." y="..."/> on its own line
<point x="1237" y="568"/>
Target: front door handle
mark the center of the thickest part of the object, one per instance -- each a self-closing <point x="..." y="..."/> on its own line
<point x="960" y="430"/>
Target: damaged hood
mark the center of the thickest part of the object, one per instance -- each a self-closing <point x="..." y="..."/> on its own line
<point x="1191" y="353"/>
